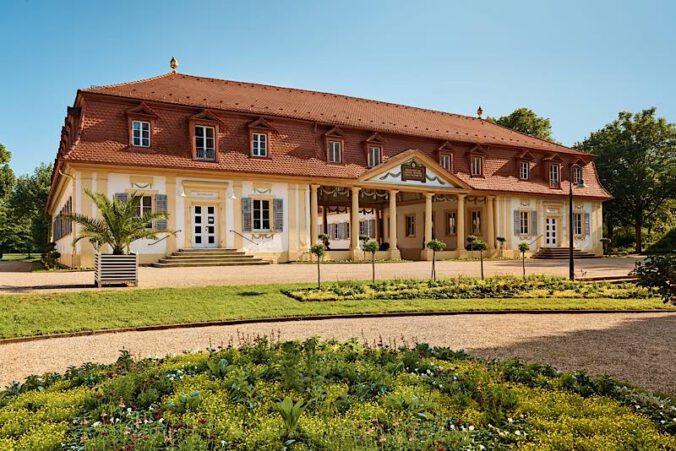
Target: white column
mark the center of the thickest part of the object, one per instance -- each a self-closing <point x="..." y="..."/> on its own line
<point x="490" y="238"/>
<point x="460" y="225"/>
<point x="314" y="212"/>
<point x="392" y="232"/>
<point x="427" y="253"/>
<point x="354" y="225"/>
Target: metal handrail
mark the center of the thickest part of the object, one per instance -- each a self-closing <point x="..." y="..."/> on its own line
<point x="536" y="238"/>
<point x="246" y="238"/>
<point x="164" y="237"/>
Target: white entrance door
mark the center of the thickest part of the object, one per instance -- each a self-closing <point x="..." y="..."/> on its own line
<point x="550" y="232"/>
<point x="204" y="226"/>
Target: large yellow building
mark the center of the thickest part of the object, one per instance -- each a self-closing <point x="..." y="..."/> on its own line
<point x="265" y="170"/>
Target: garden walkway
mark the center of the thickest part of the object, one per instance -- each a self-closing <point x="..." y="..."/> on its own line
<point x="637" y="348"/>
<point x="16" y="282"/>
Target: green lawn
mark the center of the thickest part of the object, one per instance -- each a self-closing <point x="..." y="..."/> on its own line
<point x="18" y="257"/>
<point x="39" y="314"/>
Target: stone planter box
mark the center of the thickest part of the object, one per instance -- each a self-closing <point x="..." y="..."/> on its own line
<point x="112" y="269"/>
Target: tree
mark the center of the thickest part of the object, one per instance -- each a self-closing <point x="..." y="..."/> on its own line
<point x="372" y="248"/>
<point x="658" y="272"/>
<point x="636" y="162"/>
<point x="318" y="250"/>
<point x="119" y="225"/>
<point x="28" y="202"/>
<point x="480" y="246"/>
<point x="6" y="174"/>
<point x="524" y="120"/>
<point x="436" y="246"/>
<point x="523" y="248"/>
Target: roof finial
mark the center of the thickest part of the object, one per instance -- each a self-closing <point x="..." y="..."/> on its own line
<point x="479" y="111"/>
<point x="173" y="64"/>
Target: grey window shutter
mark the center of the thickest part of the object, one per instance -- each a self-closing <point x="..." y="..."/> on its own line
<point x="517" y="222"/>
<point x="534" y="223"/>
<point x="121" y="197"/>
<point x="278" y="211"/>
<point x="161" y="207"/>
<point x="587" y="224"/>
<point x="246" y="214"/>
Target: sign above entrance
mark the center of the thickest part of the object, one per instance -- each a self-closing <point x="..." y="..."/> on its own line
<point x="413" y="171"/>
<point x="204" y="195"/>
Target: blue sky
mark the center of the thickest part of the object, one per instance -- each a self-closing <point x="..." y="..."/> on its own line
<point x="576" y="62"/>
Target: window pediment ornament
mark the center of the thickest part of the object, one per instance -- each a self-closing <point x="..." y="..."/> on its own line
<point x="578" y="162"/>
<point x="446" y="146"/>
<point x="335" y="132"/>
<point x="525" y="155"/>
<point x="553" y="157"/>
<point x="206" y="116"/>
<point x="477" y="150"/>
<point x="260" y="124"/>
<point x="375" y="138"/>
<point x="142" y="110"/>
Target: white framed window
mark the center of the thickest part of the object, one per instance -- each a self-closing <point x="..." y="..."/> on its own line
<point x="375" y="156"/>
<point x="259" y="144"/>
<point x="335" y="152"/>
<point x="477" y="168"/>
<point x="451" y="224"/>
<point x="476" y="222"/>
<point x="205" y="142"/>
<point x="261" y="215"/>
<point x="140" y="133"/>
<point x="524" y="170"/>
<point x="578" y="225"/>
<point x="410" y="225"/>
<point x="554" y="174"/>
<point x="446" y="161"/>
<point x="367" y="228"/>
<point x="524" y="222"/>
<point x="577" y="175"/>
<point x="145" y="207"/>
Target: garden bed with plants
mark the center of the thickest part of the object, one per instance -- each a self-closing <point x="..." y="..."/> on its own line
<point x="328" y="395"/>
<point x="541" y="287"/>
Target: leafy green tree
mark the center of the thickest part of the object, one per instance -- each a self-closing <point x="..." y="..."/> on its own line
<point x="436" y="246"/>
<point x="524" y="120"/>
<point x="318" y="250"/>
<point x="28" y="202"/>
<point x="7" y="178"/>
<point x="658" y="272"/>
<point x="636" y="162"/>
<point x="372" y="247"/>
<point x="523" y="248"/>
<point x="119" y="225"/>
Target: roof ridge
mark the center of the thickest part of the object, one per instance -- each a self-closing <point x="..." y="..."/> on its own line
<point x="94" y="88"/>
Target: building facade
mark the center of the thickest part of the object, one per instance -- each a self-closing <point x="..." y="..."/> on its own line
<point x="268" y="170"/>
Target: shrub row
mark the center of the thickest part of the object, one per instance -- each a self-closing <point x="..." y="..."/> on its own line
<point x="471" y="288"/>
<point x="328" y="395"/>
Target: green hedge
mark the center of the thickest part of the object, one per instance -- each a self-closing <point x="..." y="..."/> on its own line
<point x="328" y="395"/>
<point x="472" y="288"/>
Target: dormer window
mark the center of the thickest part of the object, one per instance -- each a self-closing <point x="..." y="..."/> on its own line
<point x="524" y="170"/>
<point x="205" y="143"/>
<point x="477" y="166"/>
<point x="446" y="161"/>
<point x="140" y="133"/>
<point x="259" y="144"/>
<point x="334" y="151"/>
<point x="555" y="175"/>
<point x="577" y="175"/>
<point x="375" y="156"/>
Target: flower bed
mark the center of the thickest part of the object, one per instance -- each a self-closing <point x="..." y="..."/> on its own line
<point x="327" y="395"/>
<point x="472" y="288"/>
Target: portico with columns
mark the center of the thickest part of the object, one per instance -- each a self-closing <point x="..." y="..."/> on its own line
<point x="410" y="201"/>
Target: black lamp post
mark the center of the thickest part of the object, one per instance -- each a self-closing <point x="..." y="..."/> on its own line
<point x="571" y="258"/>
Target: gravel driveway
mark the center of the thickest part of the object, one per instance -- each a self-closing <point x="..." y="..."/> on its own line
<point x="20" y="282"/>
<point x="637" y="348"/>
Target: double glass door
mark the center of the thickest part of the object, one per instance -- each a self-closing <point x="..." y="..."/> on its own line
<point x="204" y="226"/>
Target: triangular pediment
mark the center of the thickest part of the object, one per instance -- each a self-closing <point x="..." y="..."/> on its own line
<point x="141" y="109"/>
<point x="205" y="115"/>
<point x="412" y="168"/>
<point x="375" y="138"/>
<point x="335" y="131"/>
<point x="446" y="146"/>
<point x="260" y="124"/>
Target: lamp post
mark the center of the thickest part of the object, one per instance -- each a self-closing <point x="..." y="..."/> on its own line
<point x="571" y="258"/>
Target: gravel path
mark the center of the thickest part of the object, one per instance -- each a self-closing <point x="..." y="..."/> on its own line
<point x="20" y="282"/>
<point x="637" y="348"/>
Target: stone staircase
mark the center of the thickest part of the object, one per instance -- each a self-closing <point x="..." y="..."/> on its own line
<point x="208" y="257"/>
<point x="560" y="252"/>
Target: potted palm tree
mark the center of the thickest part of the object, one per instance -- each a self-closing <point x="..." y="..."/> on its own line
<point x="118" y="226"/>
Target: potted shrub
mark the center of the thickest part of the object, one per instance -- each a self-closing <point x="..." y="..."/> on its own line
<point x="523" y="248"/>
<point x="118" y="227"/>
<point x="436" y="246"/>
<point x="372" y="247"/>
<point x="501" y="244"/>
<point x="324" y="238"/>
<point x="480" y="245"/>
<point x="318" y="250"/>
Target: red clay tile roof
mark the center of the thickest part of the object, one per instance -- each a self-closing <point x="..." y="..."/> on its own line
<point x="323" y="107"/>
<point x="339" y="110"/>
